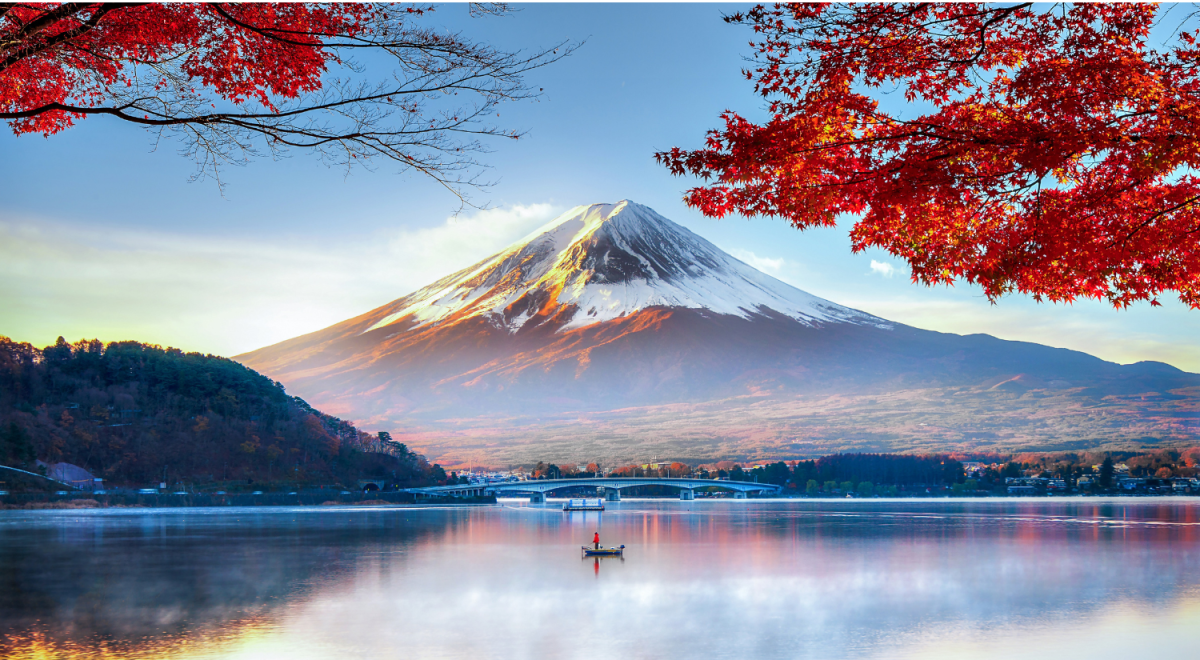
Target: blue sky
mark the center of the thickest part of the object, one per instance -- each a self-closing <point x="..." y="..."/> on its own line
<point x="102" y="235"/>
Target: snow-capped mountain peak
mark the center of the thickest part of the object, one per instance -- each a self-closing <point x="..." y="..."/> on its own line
<point x="600" y="262"/>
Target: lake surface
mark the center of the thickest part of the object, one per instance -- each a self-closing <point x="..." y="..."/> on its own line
<point x="1001" y="578"/>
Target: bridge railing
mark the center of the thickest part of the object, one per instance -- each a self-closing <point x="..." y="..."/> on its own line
<point x="617" y="483"/>
<point x="43" y="477"/>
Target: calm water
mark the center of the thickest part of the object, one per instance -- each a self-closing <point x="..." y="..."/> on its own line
<point x="725" y="579"/>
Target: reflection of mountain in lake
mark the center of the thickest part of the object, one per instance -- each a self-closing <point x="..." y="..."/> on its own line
<point x="789" y="580"/>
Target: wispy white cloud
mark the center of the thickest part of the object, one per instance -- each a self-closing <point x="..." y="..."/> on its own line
<point x="225" y="295"/>
<point x="432" y="252"/>
<point x="765" y="264"/>
<point x="883" y="268"/>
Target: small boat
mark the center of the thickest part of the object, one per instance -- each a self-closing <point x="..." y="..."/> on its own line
<point x="583" y="505"/>
<point x="603" y="552"/>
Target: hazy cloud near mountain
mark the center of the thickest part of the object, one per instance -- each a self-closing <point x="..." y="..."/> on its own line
<point x="882" y="268"/>
<point x="225" y="295"/>
<point x="766" y="264"/>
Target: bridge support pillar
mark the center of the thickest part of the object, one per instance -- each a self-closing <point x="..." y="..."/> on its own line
<point x="687" y="494"/>
<point x="612" y="495"/>
<point x="537" y="498"/>
<point x="739" y="494"/>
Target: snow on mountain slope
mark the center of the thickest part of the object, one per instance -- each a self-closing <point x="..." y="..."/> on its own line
<point x="601" y="262"/>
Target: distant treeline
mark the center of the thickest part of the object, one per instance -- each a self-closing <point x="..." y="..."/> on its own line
<point x="889" y="469"/>
<point x="134" y="413"/>
<point x="865" y="473"/>
<point x="879" y="469"/>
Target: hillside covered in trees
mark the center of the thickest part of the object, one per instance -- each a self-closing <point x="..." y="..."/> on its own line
<point x="134" y="413"/>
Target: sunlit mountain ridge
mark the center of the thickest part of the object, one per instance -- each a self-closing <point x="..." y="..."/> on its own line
<point x="577" y="338"/>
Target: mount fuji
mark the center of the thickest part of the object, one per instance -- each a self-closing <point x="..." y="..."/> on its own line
<point x="613" y="331"/>
<point x="602" y="262"/>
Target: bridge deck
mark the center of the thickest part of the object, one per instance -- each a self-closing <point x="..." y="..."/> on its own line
<point x="27" y="473"/>
<point x="618" y="483"/>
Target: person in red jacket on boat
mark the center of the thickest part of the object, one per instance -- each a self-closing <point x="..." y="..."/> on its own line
<point x="596" y="540"/>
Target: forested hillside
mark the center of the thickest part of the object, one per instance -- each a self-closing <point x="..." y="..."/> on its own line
<point x="134" y="413"/>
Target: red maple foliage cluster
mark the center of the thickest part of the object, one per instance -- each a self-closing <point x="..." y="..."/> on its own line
<point x="231" y="78"/>
<point x="1050" y="151"/>
<point x="64" y="59"/>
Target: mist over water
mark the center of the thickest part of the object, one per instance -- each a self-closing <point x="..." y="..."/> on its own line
<point x="723" y="579"/>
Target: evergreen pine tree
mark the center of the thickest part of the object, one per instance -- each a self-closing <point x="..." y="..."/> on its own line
<point x="1106" y="472"/>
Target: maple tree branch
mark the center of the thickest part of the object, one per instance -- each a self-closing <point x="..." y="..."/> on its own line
<point x="270" y="33"/>
<point x="413" y="119"/>
<point x="1191" y="201"/>
<point x="60" y="12"/>
<point x="63" y="37"/>
<point x="998" y="15"/>
<point x="212" y="118"/>
<point x="353" y="41"/>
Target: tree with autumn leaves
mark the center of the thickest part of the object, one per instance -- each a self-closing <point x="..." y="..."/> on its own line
<point x="1047" y="150"/>
<point x="235" y="80"/>
<point x="126" y="411"/>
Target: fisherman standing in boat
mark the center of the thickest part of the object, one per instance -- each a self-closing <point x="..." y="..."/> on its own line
<point x="596" y="540"/>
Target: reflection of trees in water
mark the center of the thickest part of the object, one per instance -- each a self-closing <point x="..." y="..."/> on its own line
<point x="127" y="577"/>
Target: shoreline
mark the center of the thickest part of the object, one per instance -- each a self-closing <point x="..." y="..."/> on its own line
<point x="73" y="501"/>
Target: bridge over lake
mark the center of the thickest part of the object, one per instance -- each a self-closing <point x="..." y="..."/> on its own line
<point x="35" y="477"/>
<point x="611" y="487"/>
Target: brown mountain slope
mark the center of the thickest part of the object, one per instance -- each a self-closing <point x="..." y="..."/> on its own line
<point x="691" y="384"/>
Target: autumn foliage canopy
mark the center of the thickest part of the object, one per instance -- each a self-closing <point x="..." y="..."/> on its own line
<point x="233" y="79"/>
<point x="1049" y="151"/>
